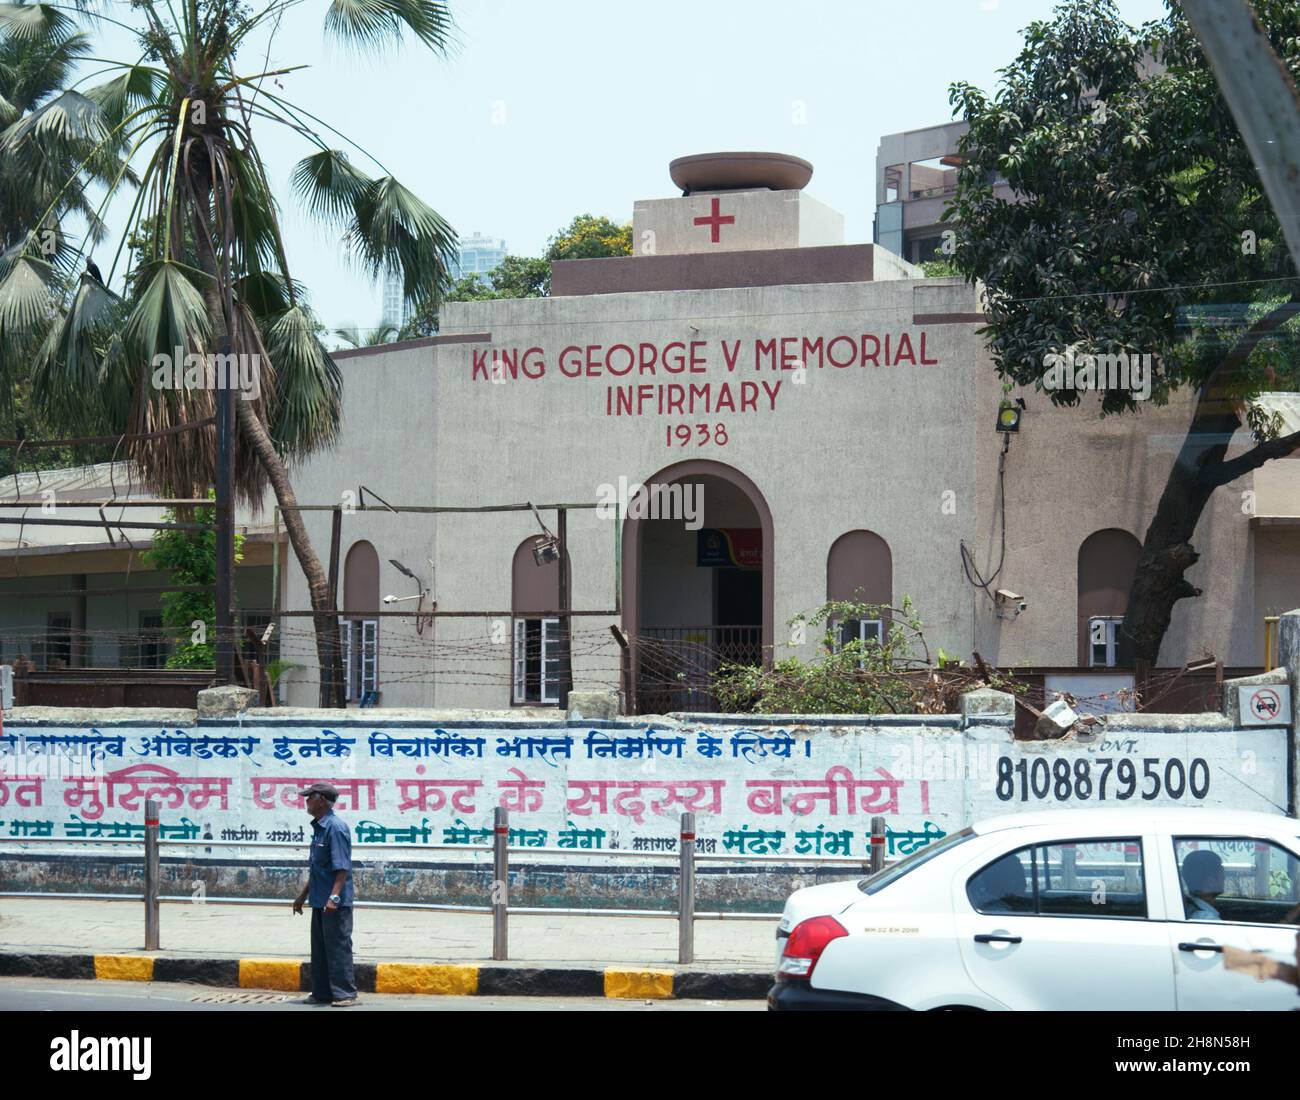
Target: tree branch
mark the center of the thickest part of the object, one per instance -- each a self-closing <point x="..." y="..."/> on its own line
<point x="1223" y="472"/>
<point x="1249" y="341"/>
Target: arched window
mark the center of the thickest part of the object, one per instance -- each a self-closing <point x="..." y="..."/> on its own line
<point x="860" y="569"/>
<point x="538" y="646"/>
<point x="359" y="625"/>
<point x="1107" y="563"/>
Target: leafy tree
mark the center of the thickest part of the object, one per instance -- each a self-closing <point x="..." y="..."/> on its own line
<point x="588" y="237"/>
<point x="1138" y="227"/>
<point x="190" y="112"/>
<point x="520" y="277"/>
<point x="939" y="269"/>
<point x="513" y="277"/>
<point x="527" y="276"/>
<point x="191" y="559"/>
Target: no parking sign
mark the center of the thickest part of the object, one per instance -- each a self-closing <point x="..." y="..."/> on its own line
<point x="1267" y="705"/>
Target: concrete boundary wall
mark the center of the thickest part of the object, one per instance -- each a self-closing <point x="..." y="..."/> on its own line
<point x="784" y="786"/>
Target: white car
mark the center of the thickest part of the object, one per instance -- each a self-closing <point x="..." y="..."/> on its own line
<point x="1072" y="909"/>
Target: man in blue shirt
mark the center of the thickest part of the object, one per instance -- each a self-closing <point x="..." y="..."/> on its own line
<point x="329" y="890"/>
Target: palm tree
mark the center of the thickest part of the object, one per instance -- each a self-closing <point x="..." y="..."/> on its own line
<point x="216" y="277"/>
<point x="37" y="58"/>
<point x="38" y="53"/>
<point x="355" y="337"/>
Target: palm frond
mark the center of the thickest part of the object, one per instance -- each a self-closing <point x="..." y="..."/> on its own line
<point x="253" y="227"/>
<point x="266" y="293"/>
<point x="309" y="387"/>
<point x="377" y="24"/>
<point x="169" y="313"/>
<point x="396" y="231"/>
<point x="66" y="381"/>
<point x="54" y="254"/>
<point x="118" y="97"/>
<point x="34" y="68"/>
<point x="32" y="21"/>
<point x="116" y="380"/>
<point x="69" y="117"/>
<point x="330" y="185"/>
<point x="26" y="304"/>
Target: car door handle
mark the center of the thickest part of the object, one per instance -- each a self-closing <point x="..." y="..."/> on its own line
<point x="995" y="937"/>
<point x="1200" y="947"/>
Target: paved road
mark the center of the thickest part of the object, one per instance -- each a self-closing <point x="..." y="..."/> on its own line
<point x="46" y="994"/>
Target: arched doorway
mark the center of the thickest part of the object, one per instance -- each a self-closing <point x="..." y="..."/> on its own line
<point x="697" y="582"/>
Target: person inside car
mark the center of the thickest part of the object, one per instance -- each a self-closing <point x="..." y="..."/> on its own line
<point x="1203" y="879"/>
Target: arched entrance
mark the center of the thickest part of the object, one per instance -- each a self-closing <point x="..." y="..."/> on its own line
<point x="697" y="582"/>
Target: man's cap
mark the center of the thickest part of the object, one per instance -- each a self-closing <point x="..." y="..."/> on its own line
<point x="331" y="793"/>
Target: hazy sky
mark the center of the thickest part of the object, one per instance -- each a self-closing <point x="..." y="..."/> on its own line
<point x="547" y="110"/>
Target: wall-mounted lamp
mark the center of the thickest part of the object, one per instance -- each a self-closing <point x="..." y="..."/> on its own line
<point x="1009" y="417"/>
<point x="546" y="546"/>
<point x="421" y="593"/>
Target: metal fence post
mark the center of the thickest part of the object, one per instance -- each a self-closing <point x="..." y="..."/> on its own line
<point x="151" y="809"/>
<point x="877" y="844"/>
<point x="500" y="881"/>
<point x="686" y="892"/>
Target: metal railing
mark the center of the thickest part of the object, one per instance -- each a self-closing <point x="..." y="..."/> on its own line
<point x="677" y="664"/>
<point x="499" y="897"/>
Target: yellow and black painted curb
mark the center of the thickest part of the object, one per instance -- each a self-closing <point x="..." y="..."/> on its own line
<point x="447" y="979"/>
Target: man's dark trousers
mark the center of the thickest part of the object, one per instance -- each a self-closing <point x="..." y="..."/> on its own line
<point x="331" y="954"/>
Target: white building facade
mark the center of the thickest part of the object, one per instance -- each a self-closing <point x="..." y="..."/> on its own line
<point x="824" y="421"/>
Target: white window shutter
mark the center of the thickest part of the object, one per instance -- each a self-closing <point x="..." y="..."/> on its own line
<point x="520" y="661"/>
<point x="550" y="664"/>
<point x="345" y="639"/>
<point x="1102" y="639"/>
<point x="369" y="655"/>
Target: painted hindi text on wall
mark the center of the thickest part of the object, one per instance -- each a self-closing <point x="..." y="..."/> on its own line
<point x="754" y="791"/>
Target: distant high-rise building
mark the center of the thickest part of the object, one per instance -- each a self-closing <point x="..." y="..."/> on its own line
<point x="396" y="312"/>
<point x="479" y="255"/>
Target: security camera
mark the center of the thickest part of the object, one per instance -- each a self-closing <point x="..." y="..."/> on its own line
<point x="1006" y="596"/>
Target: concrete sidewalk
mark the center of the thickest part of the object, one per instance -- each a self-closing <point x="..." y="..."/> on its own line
<point x="400" y="950"/>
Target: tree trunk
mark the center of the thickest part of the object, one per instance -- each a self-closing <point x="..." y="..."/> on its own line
<point x="1200" y="468"/>
<point x="1166" y="554"/>
<point x="326" y="619"/>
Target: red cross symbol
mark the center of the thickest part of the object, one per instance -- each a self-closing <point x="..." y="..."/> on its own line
<point x="715" y="220"/>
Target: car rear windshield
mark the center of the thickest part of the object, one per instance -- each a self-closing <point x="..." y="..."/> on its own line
<point x="875" y="883"/>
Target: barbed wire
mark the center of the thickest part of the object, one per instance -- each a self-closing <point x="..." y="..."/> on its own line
<point x="665" y="669"/>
